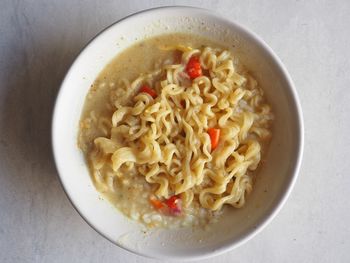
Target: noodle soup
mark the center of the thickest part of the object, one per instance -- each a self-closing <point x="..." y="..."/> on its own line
<point x="173" y="130"/>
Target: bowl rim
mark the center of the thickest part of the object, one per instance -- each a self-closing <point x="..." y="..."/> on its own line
<point x="298" y="116"/>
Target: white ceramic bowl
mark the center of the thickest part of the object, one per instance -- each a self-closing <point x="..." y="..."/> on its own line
<point x="275" y="179"/>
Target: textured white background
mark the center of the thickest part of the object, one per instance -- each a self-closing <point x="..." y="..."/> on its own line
<point x="39" y="40"/>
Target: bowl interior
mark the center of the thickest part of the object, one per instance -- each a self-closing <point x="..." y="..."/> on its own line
<point x="275" y="177"/>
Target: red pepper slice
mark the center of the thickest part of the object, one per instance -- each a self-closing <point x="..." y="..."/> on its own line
<point x="147" y="89"/>
<point x="193" y="68"/>
<point x="214" y="137"/>
<point x="174" y="205"/>
<point x="171" y="202"/>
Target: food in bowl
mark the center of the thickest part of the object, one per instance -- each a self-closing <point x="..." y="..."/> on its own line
<point x="174" y="129"/>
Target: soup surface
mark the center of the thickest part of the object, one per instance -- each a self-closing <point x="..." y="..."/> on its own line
<point x="173" y="131"/>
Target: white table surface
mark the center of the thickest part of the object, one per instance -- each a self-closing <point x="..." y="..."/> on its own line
<point x="39" y="40"/>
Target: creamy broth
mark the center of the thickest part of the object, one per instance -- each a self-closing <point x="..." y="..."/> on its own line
<point x="131" y="194"/>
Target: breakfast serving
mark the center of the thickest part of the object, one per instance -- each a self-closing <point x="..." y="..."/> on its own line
<point x="173" y="130"/>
